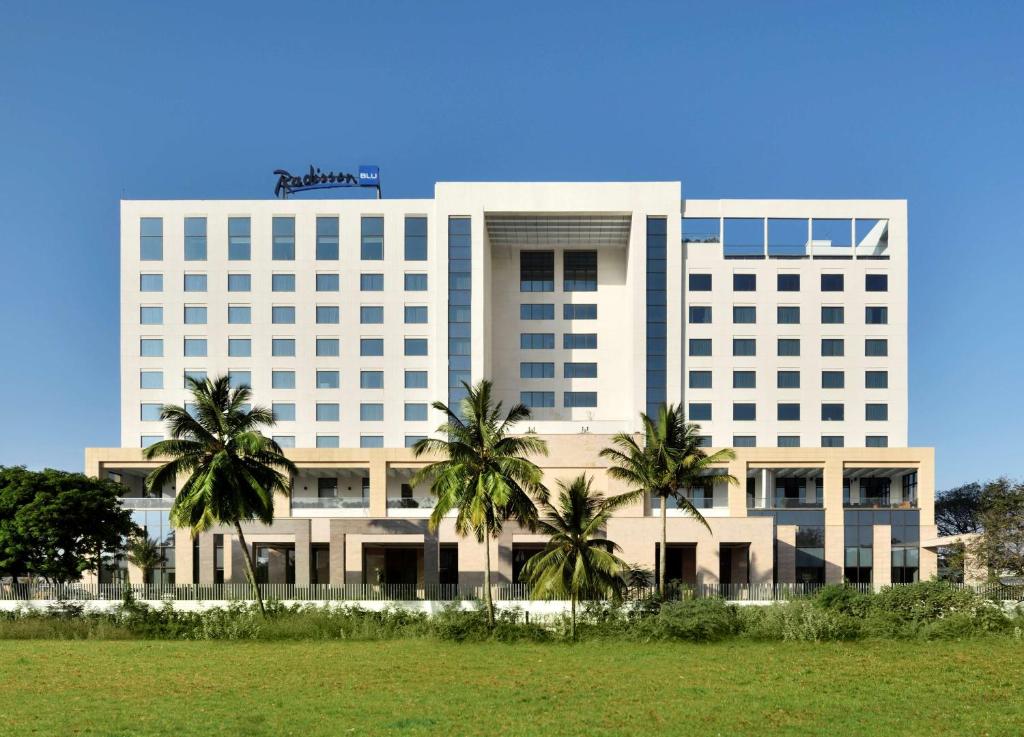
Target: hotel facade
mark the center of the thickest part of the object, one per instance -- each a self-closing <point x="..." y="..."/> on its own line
<point x="780" y="326"/>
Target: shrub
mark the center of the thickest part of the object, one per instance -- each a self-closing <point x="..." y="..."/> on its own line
<point x="798" y="621"/>
<point x="692" y="620"/>
<point x="843" y="599"/>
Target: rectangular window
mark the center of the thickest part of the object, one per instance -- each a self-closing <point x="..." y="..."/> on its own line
<point x="195" y="282"/>
<point x="283" y="237"/>
<point x="239" y="282"/>
<point x="541" y="311"/>
<point x="572" y="341"/>
<point x="371" y="315"/>
<point x="876" y="347"/>
<point x="371" y="346"/>
<point x="415" y="314"/>
<point x="328" y="283"/>
<point x="282" y="379"/>
<point x="536" y="271"/>
<point x="699" y="315"/>
<point x="699" y="282"/>
<point x="703" y="441"/>
<point x="327" y="239"/>
<point x="195" y="239"/>
<point x="579" y="312"/>
<point x="371" y="441"/>
<point x="284" y="441"/>
<point x="195" y="347"/>
<point x="788" y="380"/>
<point x="327" y="412"/>
<point x="699" y="346"/>
<point x="195" y="315"/>
<point x="151" y="315"/>
<point x="744" y="441"/>
<point x="199" y="376"/>
<point x="701" y="230"/>
<point x="580" y="269"/>
<point x="411" y="440"/>
<point x="148" y="440"/>
<point x="371" y="379"/>
<point x="831" y="441"/>
<point x="831" y="282"/>
<point x="699" y="380"/>
<point x="150" y="412"/>
<point x="579" y="370"/>
<point x="876" y="412"/>
<point x="415" y="346"/>
<point x="744" y="282"/>
<point x="788" y="412"/>
<point x="371" y="282"/>
<point x="832" y="413"/>
<point x="413" y="283"/>
<point x="415" y="379"/>
<point x="371" y="412"/>
<point x="833" y="379"/>
<point x="876" y="379"/>
<point x="537" y="399"/>
<point x="240" y="347"/>
<point x="239" y="239"/>
<point x="532" y="341"/>
<point x="283" y="411"/>
<point x="282" y="315"/>
<point x="832" y="347"/>
<point x="788" y="441"/>
<point x="371" y="243"/>
<point x="699" y="411"/>
<point x="238" y="379"/>
<point x="328" y="347"/>
<point x="536" y="370"/>
<point x="876" y="283"/>
<point x="328" y="314"/>
<point x="415" y="412"/>
<point x="831" y="315"/>
<point x="151" y="282"/>
<point x="328" y="379"/>
<point x="282" y="283"/>
<point x="744" y="379"/>
<point x="744" y="347"/>
<point x="327" y="441"/>
<point x="876" y="315"/>
<point x="415" y="238"/>
<point x="788" y="283"/>
<point x="151" y="380"/>
<point x="151" y="239"/>
<point x="580" y="399"/>
<point x="744" y="315"/>
<point x="788" y="315"/>
<point x="744" y="411"/>
<point x="239" y="314"/>
<point x="876" y="441"/>
<point x="282" y="347"/>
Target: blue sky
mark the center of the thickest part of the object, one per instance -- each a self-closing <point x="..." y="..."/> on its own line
<point x="100" y="101"/>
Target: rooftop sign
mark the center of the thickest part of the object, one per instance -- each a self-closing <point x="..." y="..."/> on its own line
<point x="287" y="183"/>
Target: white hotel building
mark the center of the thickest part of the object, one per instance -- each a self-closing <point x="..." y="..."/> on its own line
<point x="779" y="325"/>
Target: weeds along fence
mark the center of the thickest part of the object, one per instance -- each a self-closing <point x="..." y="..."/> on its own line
<point x="41" y="591"/>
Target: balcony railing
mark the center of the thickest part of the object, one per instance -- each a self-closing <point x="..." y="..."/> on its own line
<point x="329" y="502"/>
<point x="411" y="502"/>
<point x="147" y="502"/>
<point x="881" y="502"/>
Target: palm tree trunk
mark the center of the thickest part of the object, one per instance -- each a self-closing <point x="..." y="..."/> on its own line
<point x="573" y="616"/>
<point x="250" y="573"/>
<point x="663" y="553"/>
<point x="488" y="603"/>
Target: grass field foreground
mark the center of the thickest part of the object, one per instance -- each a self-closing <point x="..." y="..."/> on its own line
<point x="410" y="687"/>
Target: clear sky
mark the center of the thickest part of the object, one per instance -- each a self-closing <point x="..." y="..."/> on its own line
<point x="923" y="101"/>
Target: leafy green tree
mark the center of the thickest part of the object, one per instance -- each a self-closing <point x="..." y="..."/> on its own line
<point x="231" y="469"/>
<point x="999" y="546"/>
<point x="667" y="464"/>
<point x="56" y="525"/>
<point x="144" y="553"/>
<point x="957" y="510"/>
<point x="484" y="472"/>
<point x="577" y="562"/>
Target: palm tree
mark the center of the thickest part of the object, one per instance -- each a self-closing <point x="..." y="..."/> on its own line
<point x="145" y="554"/>
<point x="484" y="472"/>
<point x="233" y="469"/>
<point x="669" y="462"/>
<point x="577" y="562"/>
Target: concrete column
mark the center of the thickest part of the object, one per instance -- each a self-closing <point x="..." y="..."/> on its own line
<point x="881" y="557"/>
<point x="336" y="553"/>
<point x="183" y="556"/>
<point x="230" y="544"/>
<point x="835" y="551"/>
<point x="237" y="557"/>
<point x="378" y="486"/>
<point x="431" y="558"/>
<point x="926" y="488"/>
<point x="767" y="488"/>
<point x="832" y="482"/>
<point x="354" y="560"/>
<point x="738" y="491"/>
<point x="302" y="552"/>
<point x="785" y="549"/>
<point x="282" y="506"/>
<point x="501" y="565"/>
<point x="707" y="561"/>
<point x="206" y="562"/>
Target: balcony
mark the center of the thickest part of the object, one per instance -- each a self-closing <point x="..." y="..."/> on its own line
<point x="411" y="506"/>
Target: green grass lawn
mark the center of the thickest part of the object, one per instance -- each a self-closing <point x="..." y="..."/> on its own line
<point x="414" y="687"/>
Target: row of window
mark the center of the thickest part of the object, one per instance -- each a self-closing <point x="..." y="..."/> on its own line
<point x="195" y="246"/>
<point x="830" y="347"/>
<point x="546" y="370"/>
<point x="788" y="379"/>
<point x="788" y="315"/>
<point x="285" y="379"/>
<point x="322" y="441"/>
<point x="199" y="282"/>
<point x="198" y="347"/>
<point x="788" y="412"/>
<point x="282" y="315"/>
<point x="537" y="271"/>
<point x="546" y="341"/>
<point x="325" y="411"/>
<point x="793" y="441"/>
<point x="540" y="399"/>
<point x="789" y="282"/>
<point x="546" y="311"/>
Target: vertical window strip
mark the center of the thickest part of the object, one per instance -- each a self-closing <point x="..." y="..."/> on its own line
<point x="656" y="313"/>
